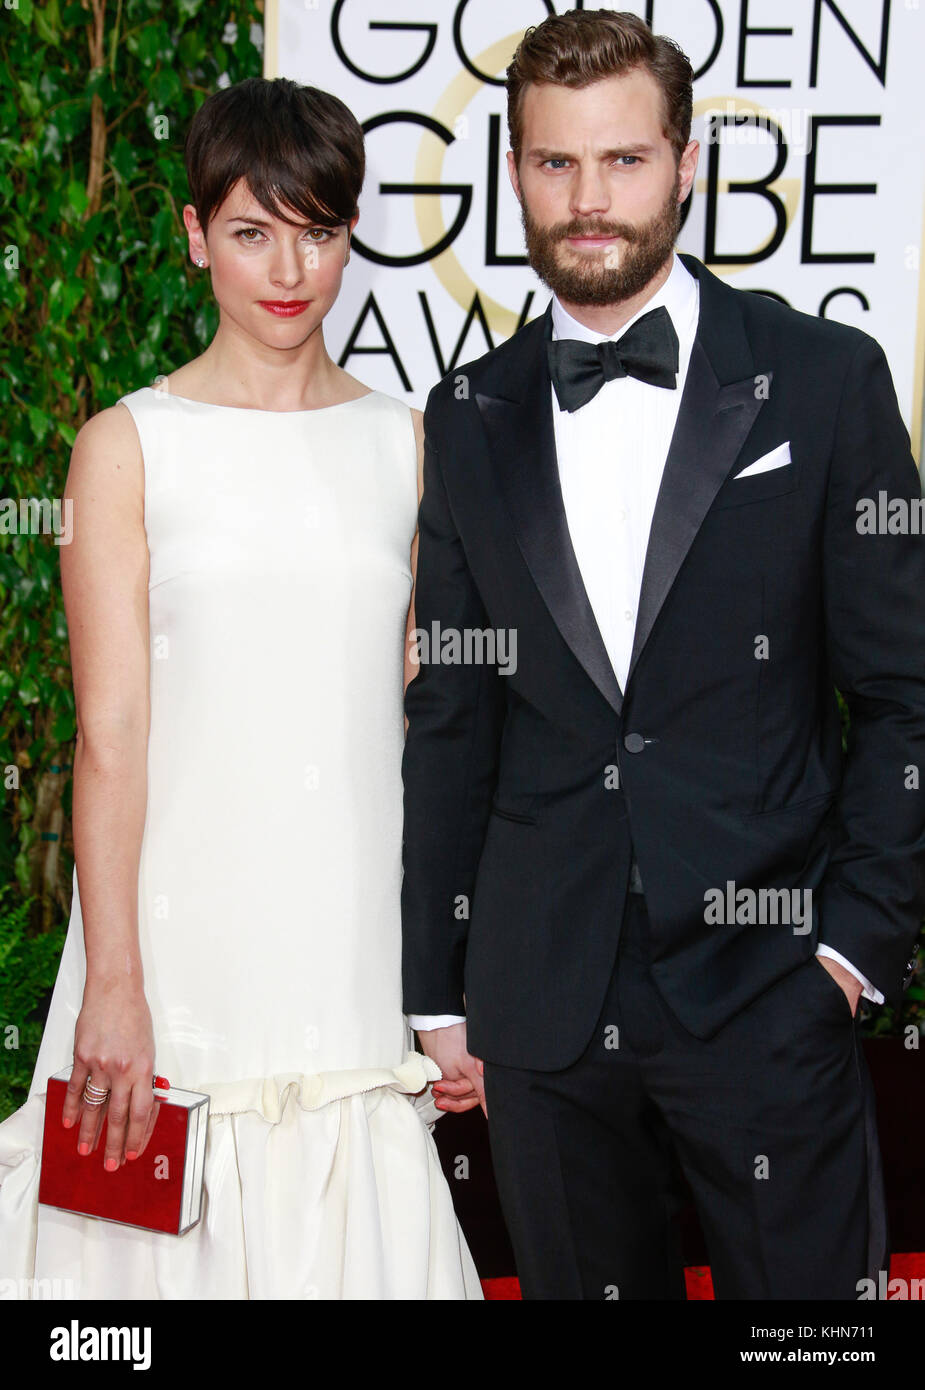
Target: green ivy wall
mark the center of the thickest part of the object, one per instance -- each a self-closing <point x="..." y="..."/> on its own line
<point x="97" y="297"/>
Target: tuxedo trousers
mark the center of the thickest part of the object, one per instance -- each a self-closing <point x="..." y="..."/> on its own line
<point x="771" y="1120"/>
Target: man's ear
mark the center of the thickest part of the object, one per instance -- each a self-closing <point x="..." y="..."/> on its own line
<point x="512" y="173"/>
<point x="687" y="168"/>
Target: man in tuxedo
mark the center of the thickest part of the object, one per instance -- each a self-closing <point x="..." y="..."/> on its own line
<point x="655" y="485"/>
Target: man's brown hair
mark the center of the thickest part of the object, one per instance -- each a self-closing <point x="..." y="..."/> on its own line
<point x="583" y="46"/>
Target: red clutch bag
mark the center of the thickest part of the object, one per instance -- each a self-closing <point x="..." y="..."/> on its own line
<point x="161" y="1191"/>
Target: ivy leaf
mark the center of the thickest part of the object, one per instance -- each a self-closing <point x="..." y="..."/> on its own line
<point x="163" y="229"/>
<point x="63" y="297"/>
<point x="124" y="160"/>
<point x="23" y="12"/>
<point x="204" y="323"/>
<point x="109" y="279"/>
<point x="192" y="48"/>
<point x="31" y="101"/>
<point x="48" y="87"/>
<point x="77" y="197"/>
<point x="64" y="727"/>
<point x="155" y="329"/>
<point x="72" y="118"/>
<point x="51" y="142"/>
<point x="45" y="26"/>
<point x="39" y="422"/>
<point x="165" y="89"/>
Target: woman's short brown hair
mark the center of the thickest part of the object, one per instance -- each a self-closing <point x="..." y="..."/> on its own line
<point x="293" y="145"/>
<point x="583" y="46"/>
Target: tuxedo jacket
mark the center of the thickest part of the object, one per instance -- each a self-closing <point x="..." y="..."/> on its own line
<point x="527" y="793"/>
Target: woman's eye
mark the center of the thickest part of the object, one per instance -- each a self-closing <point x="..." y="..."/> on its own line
<point x="243" y="235"/>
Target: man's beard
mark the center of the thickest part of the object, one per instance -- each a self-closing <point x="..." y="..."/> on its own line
<point x="587" y="278"/>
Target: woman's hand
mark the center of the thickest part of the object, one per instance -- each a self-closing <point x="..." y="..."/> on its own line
<point x="114" y="1046"/>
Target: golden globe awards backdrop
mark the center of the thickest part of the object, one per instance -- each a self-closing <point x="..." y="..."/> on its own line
<point x="809" y="115"/>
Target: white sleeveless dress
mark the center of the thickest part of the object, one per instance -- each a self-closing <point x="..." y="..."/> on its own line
<point x="269" y="878"/>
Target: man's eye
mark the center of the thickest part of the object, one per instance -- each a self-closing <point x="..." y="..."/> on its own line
<point x="633" y="161"/>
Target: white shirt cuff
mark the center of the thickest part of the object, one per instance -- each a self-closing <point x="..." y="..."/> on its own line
<point x="868" y="992"/>
<point x="424" y="1023"/>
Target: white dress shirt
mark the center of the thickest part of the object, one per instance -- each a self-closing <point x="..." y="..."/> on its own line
<point x="609" y="493"/>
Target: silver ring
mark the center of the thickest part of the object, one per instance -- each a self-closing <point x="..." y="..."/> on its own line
<point x="94" y="1095"/>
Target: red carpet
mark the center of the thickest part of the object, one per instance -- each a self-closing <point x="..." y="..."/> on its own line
<point x="700" y="1285"/>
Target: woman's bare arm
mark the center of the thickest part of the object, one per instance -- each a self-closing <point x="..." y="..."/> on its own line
<point x="410" y="666"/>
<point x="104" y="575"/>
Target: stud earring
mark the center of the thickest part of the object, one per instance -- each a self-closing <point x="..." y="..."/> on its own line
<point x="200" y="261"/>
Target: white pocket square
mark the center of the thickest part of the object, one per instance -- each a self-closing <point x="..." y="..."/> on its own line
<point x="775" y="459"/>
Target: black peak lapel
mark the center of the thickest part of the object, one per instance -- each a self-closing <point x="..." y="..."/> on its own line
<point x="722" y="396"/>
<point x="518" y="421"/>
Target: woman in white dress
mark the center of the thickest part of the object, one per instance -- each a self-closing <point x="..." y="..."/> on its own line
<point x="237" y="593"/>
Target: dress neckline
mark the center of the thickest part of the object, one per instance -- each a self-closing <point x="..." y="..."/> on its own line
<point x="256" y="410"/>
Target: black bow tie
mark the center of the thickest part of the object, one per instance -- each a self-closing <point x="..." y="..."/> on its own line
<point x="647" y="350"/>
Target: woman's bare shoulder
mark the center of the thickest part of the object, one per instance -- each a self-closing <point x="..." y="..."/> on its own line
<point x="112" y="424"/>
<point x="107" y="446"/>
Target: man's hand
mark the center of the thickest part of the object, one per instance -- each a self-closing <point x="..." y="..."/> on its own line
<point x="849" y="983"/>
<point x="462" y="1086"/>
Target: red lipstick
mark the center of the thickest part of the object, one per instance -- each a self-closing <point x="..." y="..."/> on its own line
<point x="284" y="308"/>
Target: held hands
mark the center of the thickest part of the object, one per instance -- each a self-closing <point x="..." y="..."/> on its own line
<point x="114" y="1047"/>
<point x="849" y="983"/>
<point x="462" y="1086"/>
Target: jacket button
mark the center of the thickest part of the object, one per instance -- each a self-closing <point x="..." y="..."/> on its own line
<point x="634" y="743"/>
